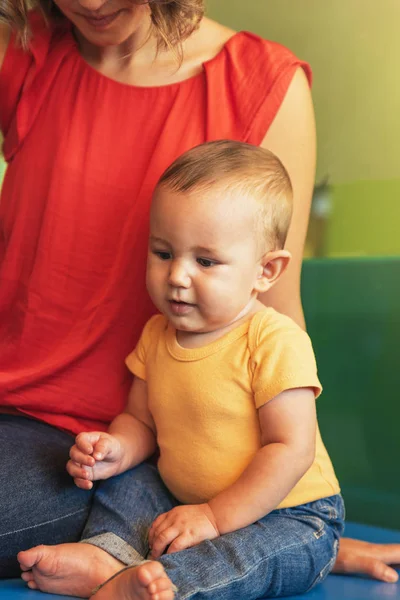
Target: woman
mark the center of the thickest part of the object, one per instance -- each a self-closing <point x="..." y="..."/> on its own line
<point x="105" y="98"/>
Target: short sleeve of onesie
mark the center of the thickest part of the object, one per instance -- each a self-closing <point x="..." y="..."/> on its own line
<point x="136" y="360"/>
<point x="282" y="357"/>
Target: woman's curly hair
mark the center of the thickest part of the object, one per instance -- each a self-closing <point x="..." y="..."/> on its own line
<point x="173" y="20"/>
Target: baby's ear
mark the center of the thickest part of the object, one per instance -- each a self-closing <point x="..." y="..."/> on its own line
<point x="272" y="266"/>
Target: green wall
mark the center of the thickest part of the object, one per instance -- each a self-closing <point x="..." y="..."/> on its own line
<point x="352" y="314"/>
<point x="353" y="47"/>
<point x="365" y="219"/>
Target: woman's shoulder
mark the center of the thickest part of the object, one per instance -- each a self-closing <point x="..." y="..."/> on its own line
<point x="249" y="77"/>
<point x="28" y="71"/>
<point x="43" y="36"/>
<point x="258" y="62"/>
<point x="207" y="41"/>
<point x="242" y="52"/>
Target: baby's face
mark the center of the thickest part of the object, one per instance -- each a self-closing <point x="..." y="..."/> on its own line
<point x="203" y="258"/>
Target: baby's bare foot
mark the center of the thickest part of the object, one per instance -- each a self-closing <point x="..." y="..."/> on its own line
<point x="67" y="569"/>
<point x="145" y="582"/>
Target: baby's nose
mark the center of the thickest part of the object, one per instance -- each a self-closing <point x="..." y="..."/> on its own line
<point x="178" y="275"/>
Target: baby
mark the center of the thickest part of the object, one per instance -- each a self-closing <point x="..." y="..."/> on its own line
<point x="244" y="501"/>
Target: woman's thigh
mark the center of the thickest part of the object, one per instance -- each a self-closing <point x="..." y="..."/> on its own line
<point x="39" y="503"/>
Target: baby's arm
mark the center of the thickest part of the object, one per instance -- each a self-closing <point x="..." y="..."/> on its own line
<point x="130" y="439"/>
<point x="288" y="427"/>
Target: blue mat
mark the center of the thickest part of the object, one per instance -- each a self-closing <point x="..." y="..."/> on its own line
<point x="335" y="587"/>
<point x="14" y="589"/>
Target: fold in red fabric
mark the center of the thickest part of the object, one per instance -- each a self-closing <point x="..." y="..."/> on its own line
<point x="85" y="153"/>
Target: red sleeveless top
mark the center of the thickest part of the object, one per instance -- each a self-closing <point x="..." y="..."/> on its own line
<point x="84" y="154"/>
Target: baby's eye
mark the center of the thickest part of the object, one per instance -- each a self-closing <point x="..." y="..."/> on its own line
<point x="162" y="255"/>
<point x="206" y="262"/>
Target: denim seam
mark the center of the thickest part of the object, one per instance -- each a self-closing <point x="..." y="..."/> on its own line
<point x="316" y="520"/>
<point x="44" y="523"/>
<point x="331" y="511"/>
<point x="327" y="568"/>
<point x="254" y="566"/>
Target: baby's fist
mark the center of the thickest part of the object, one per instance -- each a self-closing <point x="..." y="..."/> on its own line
<point x="95" y="455"/>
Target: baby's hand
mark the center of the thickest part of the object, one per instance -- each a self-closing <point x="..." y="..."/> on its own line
<point x="95" y="455"/>
<point x="182" y="527"/>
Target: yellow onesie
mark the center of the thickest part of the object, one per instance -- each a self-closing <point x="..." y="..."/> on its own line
<point x="204" y="403"/>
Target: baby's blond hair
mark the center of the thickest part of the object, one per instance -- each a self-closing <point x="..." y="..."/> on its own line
<point x="244" y="171"/>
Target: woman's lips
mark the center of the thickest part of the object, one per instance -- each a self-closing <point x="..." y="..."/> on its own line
<point x="102" y="21"/>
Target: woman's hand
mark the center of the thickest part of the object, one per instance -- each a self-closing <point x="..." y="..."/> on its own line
<point x="182" y="527"/>
<point x="366" y="558"/>
<point x="95" y="455"/>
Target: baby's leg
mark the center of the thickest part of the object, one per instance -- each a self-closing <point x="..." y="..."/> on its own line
<point x="38" y="499"/>
<point x="116" y="535"/>
<point x="284" y="554"/>
<point x="123" y="510"/>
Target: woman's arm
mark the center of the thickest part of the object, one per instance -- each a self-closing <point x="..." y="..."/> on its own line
<point x="5" y="32"/>
<point x="292" y="138"/>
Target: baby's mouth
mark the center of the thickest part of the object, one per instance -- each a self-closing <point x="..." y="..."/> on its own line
<point x="179" y="307"/>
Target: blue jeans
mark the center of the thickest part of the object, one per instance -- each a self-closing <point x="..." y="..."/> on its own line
<point x="285" y="553"/>
<point x="39" y="503"/>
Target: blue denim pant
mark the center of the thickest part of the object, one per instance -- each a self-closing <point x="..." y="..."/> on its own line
<point x="39" y="503"/>
<point x="287" y="552"/>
